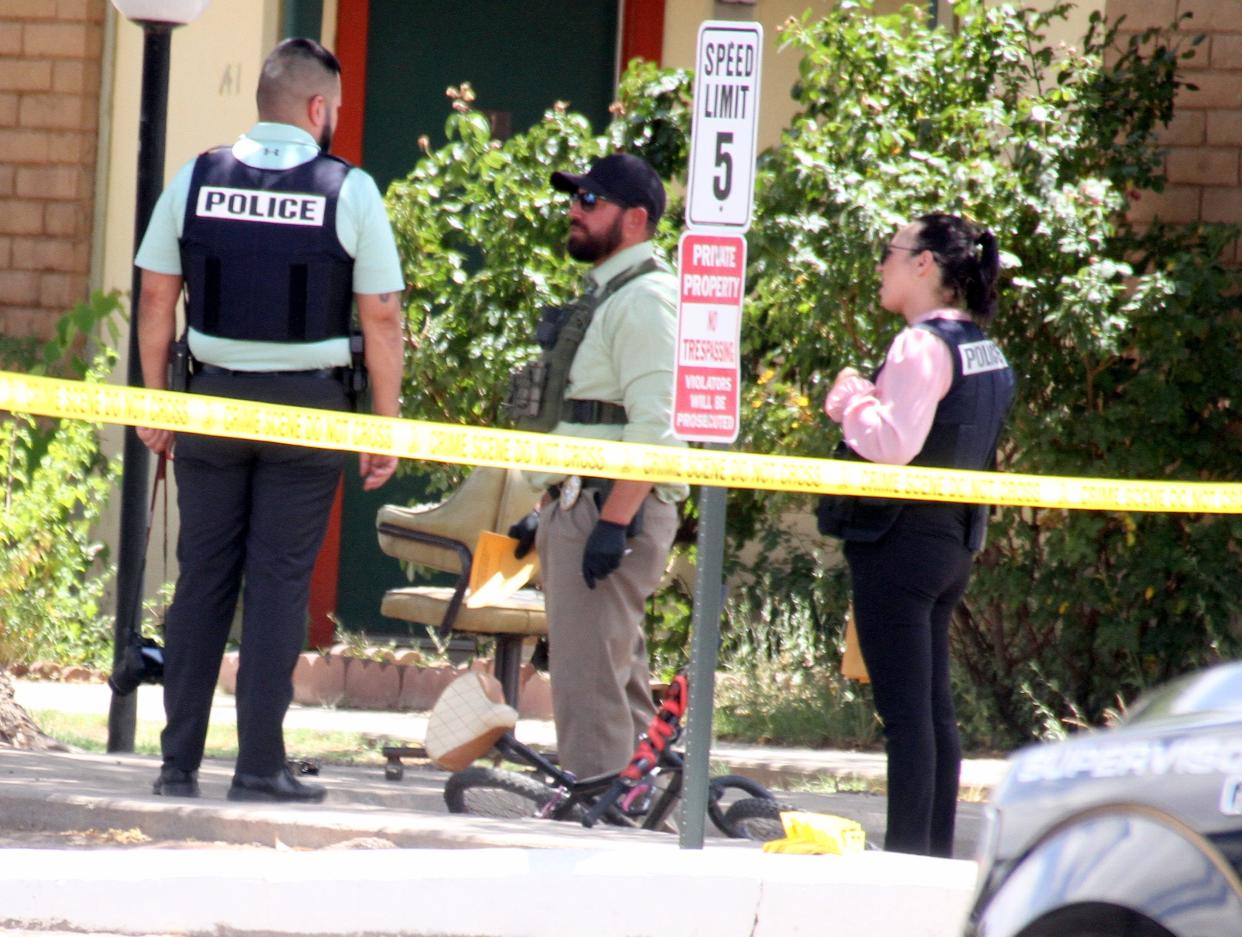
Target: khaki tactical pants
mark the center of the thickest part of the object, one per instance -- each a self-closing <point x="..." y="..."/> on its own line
<point x="601" y="692"/>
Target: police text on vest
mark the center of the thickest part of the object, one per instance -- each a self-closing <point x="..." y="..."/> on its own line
<point x="268" y="207"/>
<point x="978" y="357"/>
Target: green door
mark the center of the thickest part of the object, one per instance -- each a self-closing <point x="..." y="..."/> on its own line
<point x="521" y="57"/>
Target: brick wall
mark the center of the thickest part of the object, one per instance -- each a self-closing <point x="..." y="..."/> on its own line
<point x="1204" y="140"/>
<point x="49" y="112"/>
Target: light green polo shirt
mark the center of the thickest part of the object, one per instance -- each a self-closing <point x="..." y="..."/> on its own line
<point x="627" y="357"/>
<point x="361" y="226"/>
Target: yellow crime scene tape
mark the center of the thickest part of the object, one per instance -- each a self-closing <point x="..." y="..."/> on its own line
<point x="473" y="445"/>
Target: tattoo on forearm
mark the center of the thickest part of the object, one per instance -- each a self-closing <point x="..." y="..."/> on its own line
<point x="385" y="297"/>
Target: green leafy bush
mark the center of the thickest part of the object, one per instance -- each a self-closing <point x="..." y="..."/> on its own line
<point x="1125" y="340"/>
<point x="56" y="485"/>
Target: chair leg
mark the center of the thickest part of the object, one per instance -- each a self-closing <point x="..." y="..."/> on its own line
<point x="509" y="665"/>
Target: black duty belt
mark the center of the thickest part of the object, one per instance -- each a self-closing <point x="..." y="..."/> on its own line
<point x="338" y="373"/>
<point x="593" y="412"/>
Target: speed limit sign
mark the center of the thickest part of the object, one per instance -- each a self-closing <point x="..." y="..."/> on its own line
<point x="725" y="124"/>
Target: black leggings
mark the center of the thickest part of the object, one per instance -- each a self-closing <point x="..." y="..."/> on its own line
<point x="905" y="587"/>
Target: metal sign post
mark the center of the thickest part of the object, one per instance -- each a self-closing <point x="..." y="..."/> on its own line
<point x="712" y="270"/>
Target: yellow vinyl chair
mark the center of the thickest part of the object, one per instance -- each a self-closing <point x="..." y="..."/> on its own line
<point x="443" y="537"/>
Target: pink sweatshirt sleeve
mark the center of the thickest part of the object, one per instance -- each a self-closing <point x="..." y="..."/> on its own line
<point x="889" y="421"/>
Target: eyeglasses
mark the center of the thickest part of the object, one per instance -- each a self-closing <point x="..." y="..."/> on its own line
<point x="588" y="200"/>
<point x="888" y="249"/>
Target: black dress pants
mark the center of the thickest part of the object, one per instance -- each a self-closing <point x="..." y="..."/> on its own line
<point x="905" y="587"/>
<point x="252" y="513"/>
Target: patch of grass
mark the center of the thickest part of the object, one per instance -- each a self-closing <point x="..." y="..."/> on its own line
<point x="89" y="732"/>
<point x="839" y="784"/>
<point x="766" y="703"/>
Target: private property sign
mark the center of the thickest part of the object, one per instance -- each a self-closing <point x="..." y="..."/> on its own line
<point x="712" y="253"/>
<point x="709" y="330"/>
<point x="725" y="123"/>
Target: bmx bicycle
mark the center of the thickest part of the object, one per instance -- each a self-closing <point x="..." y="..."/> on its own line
<point x="642" y="795"/>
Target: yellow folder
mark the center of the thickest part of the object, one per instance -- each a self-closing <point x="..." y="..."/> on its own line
<point x="496" y="573"/>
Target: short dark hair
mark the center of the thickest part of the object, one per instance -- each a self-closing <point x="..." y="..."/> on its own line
<point x="968" y="257"/>
<point x="299" y="47"/>
<point x="291" y="68"/>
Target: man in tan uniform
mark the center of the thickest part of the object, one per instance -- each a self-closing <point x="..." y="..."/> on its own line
<point x="603" y="545"/>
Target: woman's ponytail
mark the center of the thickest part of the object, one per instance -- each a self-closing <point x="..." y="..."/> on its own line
<point x="969" y="261"/>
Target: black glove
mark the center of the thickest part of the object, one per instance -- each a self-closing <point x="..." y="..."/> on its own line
<point x="524" y="533"/>
<point x="604" y="550"/>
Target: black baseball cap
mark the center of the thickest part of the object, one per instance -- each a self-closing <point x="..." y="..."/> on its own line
<point x="623" y="178"/>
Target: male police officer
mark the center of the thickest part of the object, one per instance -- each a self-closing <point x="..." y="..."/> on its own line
<point x="273" y="239"/>
<point x="603" y="545"/>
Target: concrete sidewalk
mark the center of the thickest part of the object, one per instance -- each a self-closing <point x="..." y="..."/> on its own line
<point x="777" y="767"/>
<point x="448" y="875"/>
<point x="332" y="869"/>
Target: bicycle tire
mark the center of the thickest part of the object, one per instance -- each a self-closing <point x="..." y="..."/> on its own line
<point x="493" y="792"/>
<point x="716" y="792"/>
<point x="756" y="818"/>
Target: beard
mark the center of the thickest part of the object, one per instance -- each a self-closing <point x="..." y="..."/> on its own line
<point x="325" y="138"/>
<point x="589" y="248"/>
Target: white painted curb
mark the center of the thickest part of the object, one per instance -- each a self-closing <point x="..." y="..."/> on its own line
<point x="653" y="890"/>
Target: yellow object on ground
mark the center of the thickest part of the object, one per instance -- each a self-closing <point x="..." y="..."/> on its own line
<point x="818" y="834"/>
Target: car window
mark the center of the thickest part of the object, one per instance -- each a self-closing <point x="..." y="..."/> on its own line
<point x="1218" y="690"/>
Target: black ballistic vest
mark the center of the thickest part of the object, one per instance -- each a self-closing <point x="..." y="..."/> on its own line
<point x="259" y="250"/>
<point x="964" y="434"/>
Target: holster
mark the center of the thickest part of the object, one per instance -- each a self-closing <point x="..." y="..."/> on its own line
<point x="180" y="365"/>
<point x="356" y="379"/>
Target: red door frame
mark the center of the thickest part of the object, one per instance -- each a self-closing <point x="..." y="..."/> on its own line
<point x="642" y="36"/>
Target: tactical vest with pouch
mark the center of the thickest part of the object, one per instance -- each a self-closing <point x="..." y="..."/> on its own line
<point x="536" y="396"/>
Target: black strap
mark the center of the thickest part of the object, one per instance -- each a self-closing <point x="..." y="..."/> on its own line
<point x="593" y="412"/>
<point x="298" y="276"/>
<point x="324" y="373"/>
<point x="161" y="472"/>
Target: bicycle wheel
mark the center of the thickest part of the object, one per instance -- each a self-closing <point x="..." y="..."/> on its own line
<point x="491" y="792"/>
<point x="723" y="791"/>
<point x="757" y="818"/>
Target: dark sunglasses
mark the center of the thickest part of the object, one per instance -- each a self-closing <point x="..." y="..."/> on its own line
<point x="588" y="200"/>
<point x="887" y="251"/>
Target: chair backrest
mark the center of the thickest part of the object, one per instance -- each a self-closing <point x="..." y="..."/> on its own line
<point x="489" y="499"/>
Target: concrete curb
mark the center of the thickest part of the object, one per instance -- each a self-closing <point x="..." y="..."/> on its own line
<point x="649" y="890"/>
<point x="62" y="792"/>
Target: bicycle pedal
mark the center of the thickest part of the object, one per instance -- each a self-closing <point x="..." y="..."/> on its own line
<point x="636" y="801"/>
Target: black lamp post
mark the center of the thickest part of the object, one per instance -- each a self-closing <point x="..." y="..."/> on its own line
<point x="158" y="18"/>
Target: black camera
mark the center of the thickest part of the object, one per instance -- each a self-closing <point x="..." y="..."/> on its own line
<point x="143" y="663"/>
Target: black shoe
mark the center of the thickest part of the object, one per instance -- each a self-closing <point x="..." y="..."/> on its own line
<point x="173" y="782"/>
<point x="282" y="786"/>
